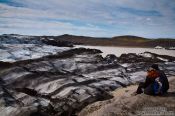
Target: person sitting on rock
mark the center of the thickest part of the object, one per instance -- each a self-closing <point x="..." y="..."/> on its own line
<point x="156" y="82"/>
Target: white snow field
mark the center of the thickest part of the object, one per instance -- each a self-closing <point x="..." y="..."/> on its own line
<point x="120" y="50"/>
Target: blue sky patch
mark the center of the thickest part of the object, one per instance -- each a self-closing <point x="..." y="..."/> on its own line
<point x="11" y="3"/>
<point x="140" y="12"/>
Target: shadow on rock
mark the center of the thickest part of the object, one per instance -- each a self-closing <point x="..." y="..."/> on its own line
<point x="169" y="94"/>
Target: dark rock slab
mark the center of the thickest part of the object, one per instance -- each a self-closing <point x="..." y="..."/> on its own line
<point x="64" y="83"/>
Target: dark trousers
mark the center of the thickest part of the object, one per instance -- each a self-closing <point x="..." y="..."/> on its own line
<point x="144" y="88"/>
<point x="140" y="88"/>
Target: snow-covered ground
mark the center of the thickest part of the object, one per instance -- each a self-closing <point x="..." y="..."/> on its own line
<point x="120" y="50"/>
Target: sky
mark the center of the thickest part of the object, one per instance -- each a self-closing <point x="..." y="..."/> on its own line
<point x="97" y="18"/>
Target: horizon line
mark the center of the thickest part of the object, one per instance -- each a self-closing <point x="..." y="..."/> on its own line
<point x="107" y="37"/>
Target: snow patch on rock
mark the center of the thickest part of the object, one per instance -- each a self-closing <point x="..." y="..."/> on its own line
<point x="16" y="52"/>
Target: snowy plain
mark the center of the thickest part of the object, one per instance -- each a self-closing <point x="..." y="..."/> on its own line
<point x="121" y="50"/>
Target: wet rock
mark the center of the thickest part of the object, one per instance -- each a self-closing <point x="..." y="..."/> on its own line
<point x="145" y="57"/>
<point x="65" y="82"/>
<point x="133" y="58"/>
<point x="165" y="58"/>
<point x="111" y="58"/>
<point x="57" y="43"/>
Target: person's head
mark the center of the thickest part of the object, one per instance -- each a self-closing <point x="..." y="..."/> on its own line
<point x="152" y="71"/>
<point x="155" y="66"/>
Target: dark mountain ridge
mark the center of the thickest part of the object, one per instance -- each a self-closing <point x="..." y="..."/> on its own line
<point x="127" y="40"/>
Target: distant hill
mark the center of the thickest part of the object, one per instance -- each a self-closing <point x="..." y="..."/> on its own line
<point x="127" y="40"/>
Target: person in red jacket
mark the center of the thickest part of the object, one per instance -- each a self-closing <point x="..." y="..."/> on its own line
<point x="153" y="74"/>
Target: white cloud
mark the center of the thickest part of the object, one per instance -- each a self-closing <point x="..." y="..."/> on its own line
<point x="119" y="16"/>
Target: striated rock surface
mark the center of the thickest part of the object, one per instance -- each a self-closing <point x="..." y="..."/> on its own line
<point x="52" y="85"/>
<point x="39" y="40"/>
<point x="18" y="52"/>
<point x="65" y="82"/>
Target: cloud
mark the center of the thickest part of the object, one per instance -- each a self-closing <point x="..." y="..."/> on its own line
<point x="88" y="17"/>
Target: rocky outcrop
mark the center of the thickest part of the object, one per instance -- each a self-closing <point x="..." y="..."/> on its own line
<point x="65" y="82"/>
<point x="19" y="39"/>
<point x="56" y="42"/>
<point x="18" y="52"/>
<point x="164" y="58"/>
<point x="145" y="57"/>
<point x="37" y="40"/>
<point x="53" y="85"/>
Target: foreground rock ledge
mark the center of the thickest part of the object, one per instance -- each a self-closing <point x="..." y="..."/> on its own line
<point x="124" y="103"/>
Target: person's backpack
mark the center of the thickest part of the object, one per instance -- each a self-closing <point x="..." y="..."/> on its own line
<point x="163" y="79"/>
<point x="157" y="87"/>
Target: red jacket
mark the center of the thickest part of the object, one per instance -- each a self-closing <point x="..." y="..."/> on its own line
<point x="153" y="74"/>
